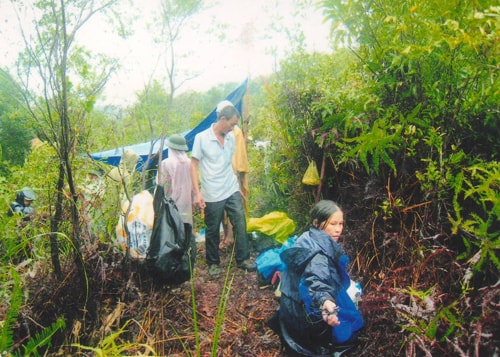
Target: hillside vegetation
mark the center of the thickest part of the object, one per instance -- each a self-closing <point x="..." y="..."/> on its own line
<point x="402" y="121"/>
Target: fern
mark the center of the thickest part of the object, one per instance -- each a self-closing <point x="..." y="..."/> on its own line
<point x="423" y="319"/>
<point x="16" y="300"/>
<point x="43" y="338"/>
<point x="477" y="187"/>
<point x="377" y="144"/>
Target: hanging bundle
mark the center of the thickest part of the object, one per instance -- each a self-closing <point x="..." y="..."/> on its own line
<point x="311" y="176"/>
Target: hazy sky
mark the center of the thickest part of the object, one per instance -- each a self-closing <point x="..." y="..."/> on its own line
<point x="247" y="46"/>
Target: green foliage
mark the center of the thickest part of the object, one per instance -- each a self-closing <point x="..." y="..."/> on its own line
<point x="70" y="79"/>
<point x="412" y="108"/>
<point x="476" y="211"/>
<point x="380" y="142"/>
<point x="474" y="208"/>
<point x="15" y="137"/>
<point x="101" y="122"/>
<point x="410" y="100"/>
<point x="147" y="115"/>
<point x="430" y="67"/>
<point x="15" y="128"/>
<point x="113" y="345"/>
<point x="143" y="121"/>
<point x="425" y="60"/>
<point x="21" y="240"/>
<point x="430" y="71"/>
<point x="43" y="338"/>
<point x="221" y="308"/>
<point x="16" y="300"/>
<point x="59" y="86"/>
<point x="39" y="173"/>
<point x="424" y="320"/>
<point x="307" y="110"/>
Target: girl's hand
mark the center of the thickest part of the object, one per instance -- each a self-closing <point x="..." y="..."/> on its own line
<point x="329" y="313"/>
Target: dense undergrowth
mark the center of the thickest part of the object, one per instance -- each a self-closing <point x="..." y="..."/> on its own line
<point x="419" y="298"/>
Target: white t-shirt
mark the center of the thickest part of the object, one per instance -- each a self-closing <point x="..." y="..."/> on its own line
<point x="218" y="180"/>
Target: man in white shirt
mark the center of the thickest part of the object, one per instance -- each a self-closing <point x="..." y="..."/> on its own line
<point x="212" y="154"/>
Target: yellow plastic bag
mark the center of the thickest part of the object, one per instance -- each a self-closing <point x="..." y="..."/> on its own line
<point x="275" y="224"/>
<point x="311" y="176"/>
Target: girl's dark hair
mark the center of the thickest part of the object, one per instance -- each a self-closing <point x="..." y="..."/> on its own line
<point x="322" y="211"/>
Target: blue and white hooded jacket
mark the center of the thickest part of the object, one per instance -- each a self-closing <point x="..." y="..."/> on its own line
<point x="316" y="270"/>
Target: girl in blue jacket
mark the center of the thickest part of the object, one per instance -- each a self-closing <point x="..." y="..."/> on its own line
<point x="316" y="314"/>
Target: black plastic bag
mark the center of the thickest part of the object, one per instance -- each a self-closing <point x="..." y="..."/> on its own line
<point x="168" y="253"/>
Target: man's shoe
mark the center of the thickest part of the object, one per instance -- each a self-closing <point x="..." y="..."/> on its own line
<point x="247" y="265"/>
<point x="213" y="270"/>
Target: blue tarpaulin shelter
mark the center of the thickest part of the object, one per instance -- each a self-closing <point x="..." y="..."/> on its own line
<point x="113" y="156"/>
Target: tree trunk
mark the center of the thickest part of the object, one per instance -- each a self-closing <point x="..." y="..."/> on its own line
<point x="55" y="222"/>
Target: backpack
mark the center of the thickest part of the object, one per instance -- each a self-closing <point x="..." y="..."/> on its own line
<point x="168" y="257"/>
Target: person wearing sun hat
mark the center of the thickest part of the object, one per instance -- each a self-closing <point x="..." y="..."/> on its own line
<point x="211" y="158"/>
<point x="177" y="142"/>
<point x="22" y="204"/>
<point x="174" y="175"/>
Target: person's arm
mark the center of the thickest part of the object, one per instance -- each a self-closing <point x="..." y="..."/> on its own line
<point x="14" y="208"/>
<point x="199" y="201"/>
<point x="321" y="288"/>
